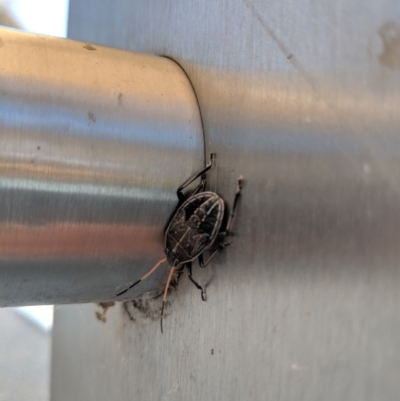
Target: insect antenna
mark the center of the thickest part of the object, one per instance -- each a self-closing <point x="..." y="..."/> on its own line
<point x="171" y="273"/>
<point x="151" y="271"/>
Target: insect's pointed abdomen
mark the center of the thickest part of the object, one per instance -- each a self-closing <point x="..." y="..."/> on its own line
<point x="194" y="226"/>
<point x="208" y="216"/>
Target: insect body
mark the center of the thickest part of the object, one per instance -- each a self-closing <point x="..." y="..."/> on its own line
<point x="194" y="229"/>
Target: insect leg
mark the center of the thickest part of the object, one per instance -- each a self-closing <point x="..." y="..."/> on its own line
<point x="235" y="201"/>
<point x="203" y="263"/>
<point x="171" y="273"/>
<point x="198" y="286"/>
<point x="151" y="271"/>
<point x="202" y="184"/>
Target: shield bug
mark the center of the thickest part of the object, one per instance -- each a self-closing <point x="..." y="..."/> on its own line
<point x="200" y="224"/>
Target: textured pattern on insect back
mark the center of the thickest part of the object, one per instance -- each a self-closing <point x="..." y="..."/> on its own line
<point x="195" y="226"/>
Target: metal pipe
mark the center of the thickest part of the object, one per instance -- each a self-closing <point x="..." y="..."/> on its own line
<point x="93" y="143"/>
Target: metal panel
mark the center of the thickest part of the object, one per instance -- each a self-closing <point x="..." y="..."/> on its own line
<point x="302" y="99"/>
<point x="94" y="142"/>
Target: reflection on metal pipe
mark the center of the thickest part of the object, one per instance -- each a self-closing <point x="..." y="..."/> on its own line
<point x="94" y="142"/>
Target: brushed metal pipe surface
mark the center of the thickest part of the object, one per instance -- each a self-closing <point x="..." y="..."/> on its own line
<point x="94" y="142"/>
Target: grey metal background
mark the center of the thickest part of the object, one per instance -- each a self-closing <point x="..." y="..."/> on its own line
<point x="302" y="99"/>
